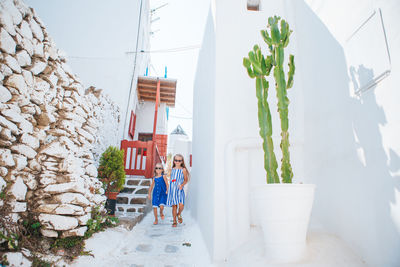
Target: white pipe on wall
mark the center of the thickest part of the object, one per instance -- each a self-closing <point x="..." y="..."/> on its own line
<point x="237" y="193"/>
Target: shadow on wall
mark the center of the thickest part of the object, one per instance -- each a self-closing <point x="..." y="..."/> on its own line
<point x="344" y="153"/>
<point x="202" y="174"/>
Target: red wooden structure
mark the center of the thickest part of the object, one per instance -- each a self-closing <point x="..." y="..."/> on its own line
<point x="141" y="157"/>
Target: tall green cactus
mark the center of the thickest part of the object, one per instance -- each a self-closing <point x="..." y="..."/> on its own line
<point x="259" y="67"/>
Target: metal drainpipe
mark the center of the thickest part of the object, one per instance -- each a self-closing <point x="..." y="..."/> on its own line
<point x="134" y="70"/>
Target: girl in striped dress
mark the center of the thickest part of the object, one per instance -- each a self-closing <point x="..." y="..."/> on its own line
<point x="176" y="195"/>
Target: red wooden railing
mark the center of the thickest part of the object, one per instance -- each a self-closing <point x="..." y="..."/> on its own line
<point x="140" y="157"/>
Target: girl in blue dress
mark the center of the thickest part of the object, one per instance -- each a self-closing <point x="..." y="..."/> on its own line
<point x="176" y="195"/>
<point x="159" y="186"/>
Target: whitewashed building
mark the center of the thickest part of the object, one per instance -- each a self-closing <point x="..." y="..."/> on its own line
<point x="112" y="52"/>
<point x="179" y="143"/>
<point x="344" y="122"/>
<point x="113" y="55"/>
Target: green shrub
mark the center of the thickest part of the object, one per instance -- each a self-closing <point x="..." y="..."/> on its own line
<point x="99" y="222"/>
<point x="111" y="170"/>
<point x="38" y="262"/>
<point x="11" y="240"/>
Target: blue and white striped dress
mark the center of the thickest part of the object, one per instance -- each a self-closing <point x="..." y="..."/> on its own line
<point x="176" y="196"/>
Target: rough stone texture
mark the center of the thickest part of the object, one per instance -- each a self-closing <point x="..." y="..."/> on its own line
<point x="5" y="95"/>
<point x="19" y="189"/>
<point x="23" y="58"/>
<point x="142" y="191"/>
<point x="52" y="131"/>
<point x="58" y="222"/>
<point x="20" y="161"/>
<point x="133" y="182"/>
<point x="61" y="209"/>
<point x="17" y="81"/>
<point x="49" y="233"/>
<point x="6" y="159"/>
<point x="145" y="182"/>
<point x="75" y="232"/>
<point x="2" y="184"/>
<point x="18" y="206"/>
<point x="138" y="201"/>
<point x="73" y="198"/>
<point x="122" y="200"/>
<point x="84" y="219"/>
<point x="7" y="43"/>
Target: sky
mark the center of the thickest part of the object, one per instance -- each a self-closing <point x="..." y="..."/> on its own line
<point x="97" y="34"/>
<point x="181" y="23"/>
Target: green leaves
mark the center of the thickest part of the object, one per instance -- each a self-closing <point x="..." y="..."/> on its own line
<point x="111" y="170"/>
<point x="258" y="66"/>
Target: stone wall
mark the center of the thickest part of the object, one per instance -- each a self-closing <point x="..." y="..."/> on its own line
<point x="51" y="130"/>
<point x="107" y="115"/>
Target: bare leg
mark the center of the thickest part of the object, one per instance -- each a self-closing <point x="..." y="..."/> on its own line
<point x="180" y="212"/>
<point x="162" y="212"/>
<point x="181" y="206"/>
<point x="155" y="216"/>
<point x="174" y="208"/>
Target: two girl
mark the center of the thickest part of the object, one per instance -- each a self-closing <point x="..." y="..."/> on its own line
<point x="175" y="194"/>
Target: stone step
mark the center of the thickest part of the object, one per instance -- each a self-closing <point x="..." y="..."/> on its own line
<point x="130" y="196"/>
<point x="129" y="220"/>
<point x="135" y="177"/>
<point x="142" y="199"/>
<point x="137" y="182"/>
<point x="131" y="208"/>
<point x="135" y="190"/>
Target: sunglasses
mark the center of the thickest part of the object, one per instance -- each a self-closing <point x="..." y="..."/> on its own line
<point x="178" y="160"/>
<point x="159" y="168"/>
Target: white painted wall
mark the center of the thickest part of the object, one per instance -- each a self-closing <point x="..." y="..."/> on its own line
<point x="202" y="198"/>
<point x="96" y="34"/>
<point x="357" y="201"/>
<point x="351" y="144"/>
<point x="172" y="138"/>
<point x="183" y="147"/>
<point x="145" y="118"/>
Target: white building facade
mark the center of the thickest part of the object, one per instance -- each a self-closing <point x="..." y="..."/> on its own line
<point x="109" y="54"/>
<point x="179" y="143"/>
<point x="344" y="141"/>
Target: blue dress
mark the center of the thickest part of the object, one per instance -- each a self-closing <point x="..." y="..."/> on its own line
<point x="159" y="192"/>
<point x="176" y="196"/>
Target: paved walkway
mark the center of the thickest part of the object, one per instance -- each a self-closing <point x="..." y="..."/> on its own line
<point x="148" y="245"/>
<point x="151" y="245"/>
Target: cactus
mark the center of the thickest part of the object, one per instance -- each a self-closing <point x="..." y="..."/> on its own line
<point x="258" y="66"/>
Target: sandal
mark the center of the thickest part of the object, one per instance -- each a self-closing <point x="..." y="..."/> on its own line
<point x="155" y="223"/>
<point x="180" y="218"/>
<point x="162" y="216"/>
<point x="174" y="224"/>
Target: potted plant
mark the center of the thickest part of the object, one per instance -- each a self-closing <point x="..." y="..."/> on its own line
<point x="111" y="172"/>
<point x="284" y="207"/>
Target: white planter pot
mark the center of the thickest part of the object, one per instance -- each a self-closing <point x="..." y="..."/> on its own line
<point x="284" y="212"/>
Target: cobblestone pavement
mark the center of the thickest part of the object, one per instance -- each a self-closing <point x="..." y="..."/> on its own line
<point x="148" y="245"/>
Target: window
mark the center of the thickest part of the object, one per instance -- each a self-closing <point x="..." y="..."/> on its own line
<point x="132" y="125"/>
<point x="253" y="5"/>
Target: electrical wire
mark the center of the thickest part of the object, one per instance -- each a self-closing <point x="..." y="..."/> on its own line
<point x="169" y="50"/>
<point x="187" y="110"/>
<point x="179" y="117"/>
